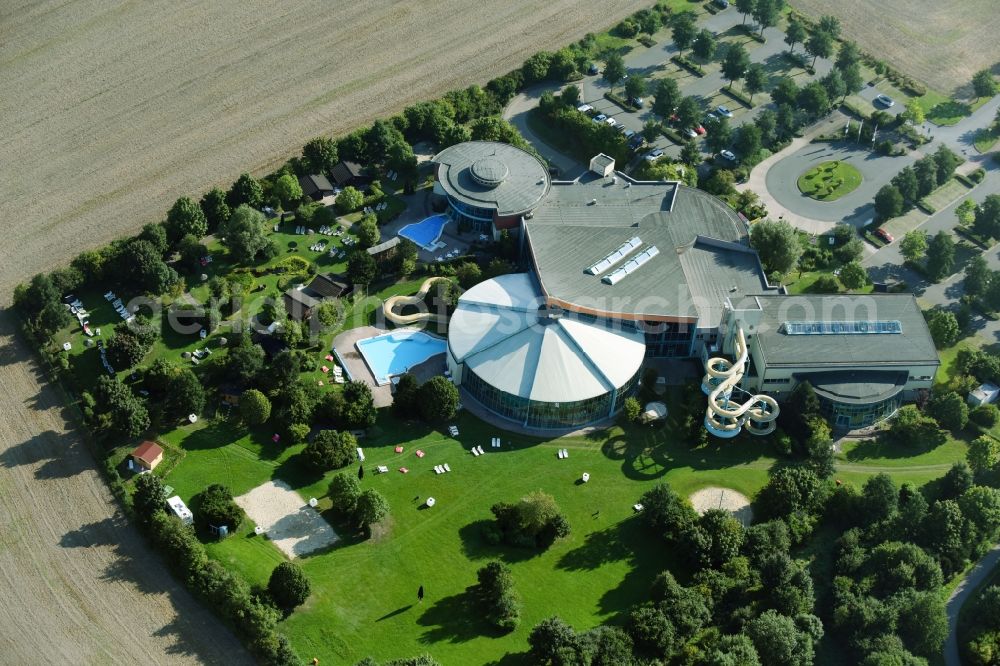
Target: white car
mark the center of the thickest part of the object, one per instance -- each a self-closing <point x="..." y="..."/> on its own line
<point x="724" y="112"/>
<point x="653" y="155"/>
<point x="611" y="121"/>
<point x="727" y="155"/>
<point x="600" y="118"/>
<point x="584" y="108"/>
<point x="689" y="132"/>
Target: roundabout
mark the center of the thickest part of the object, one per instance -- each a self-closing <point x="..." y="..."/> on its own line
<point x="828" y="181"/>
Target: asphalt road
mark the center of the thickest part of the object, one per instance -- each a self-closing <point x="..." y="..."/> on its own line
<point x="958" y="598"/>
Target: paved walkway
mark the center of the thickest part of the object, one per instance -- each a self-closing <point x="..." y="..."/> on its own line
<point x="517" y="113"/>
<point x="958" y="598"/>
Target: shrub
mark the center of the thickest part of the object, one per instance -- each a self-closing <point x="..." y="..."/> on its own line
<point x="497" y="596"/>
<point x="631" y="409"/>
<point x="330" y="449"/>
<point x="255" y="408"/>
<point x="534" y="522"/>
<point x="288" y="586"/>
<point x="985" y="416"/>
<point x="345" y="489"/>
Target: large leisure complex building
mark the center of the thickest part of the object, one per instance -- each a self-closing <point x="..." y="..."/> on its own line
<point x="620" y="272"/>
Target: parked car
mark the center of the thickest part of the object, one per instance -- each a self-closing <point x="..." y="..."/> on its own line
<point x="724" y="111"/>
<point x="699" y="130"/>
<point x="600" y="118"/>
<point x="592" y="69"/>
<point x="653" y="155"/>
<point x="885" y="100"/>
<point x="637" y="101"/>
<point x="711" y="116"/>
<point x="721" y="4"/>
<point x="689" y="132"/>
<point x="884" y="235"/>
<point x="727" y="155"/>
<point x="584" y="108"/>
<point x="628" y="133"/>
<point x="611" y="121"/>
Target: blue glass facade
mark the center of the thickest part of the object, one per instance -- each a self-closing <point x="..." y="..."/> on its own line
<point x="847" y="416"/>
<point x="478" y="219"/>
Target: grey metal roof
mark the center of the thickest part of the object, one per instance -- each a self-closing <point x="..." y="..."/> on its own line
<point x="700" y="242"/>
<point x="383" y="246"/>
<point x="913" y="346"/>
<point x="497" y="176"/>
<point x="856" y="387"/>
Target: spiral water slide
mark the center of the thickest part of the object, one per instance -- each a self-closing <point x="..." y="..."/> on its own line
<point x="417" y="299"/>
<point x="725" y="418"/>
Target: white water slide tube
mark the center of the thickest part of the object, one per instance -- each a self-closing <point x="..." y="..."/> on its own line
<point x="725" y="418"/>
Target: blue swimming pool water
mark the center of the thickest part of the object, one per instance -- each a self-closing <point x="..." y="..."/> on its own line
<point x="425" y="232"/>
<point x="394" y="353"/>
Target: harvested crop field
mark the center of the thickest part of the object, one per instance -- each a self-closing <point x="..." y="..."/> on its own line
<point x="939" y="42"/>
<point x="110" y="111"/>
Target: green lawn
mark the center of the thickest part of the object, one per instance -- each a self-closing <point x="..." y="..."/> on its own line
<point x="942" y="110"/>
<point x="987" y="137"/>
<point x="828" y="181"/>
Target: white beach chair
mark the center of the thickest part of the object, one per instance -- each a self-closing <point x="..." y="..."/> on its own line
<point x="446" y="468"/>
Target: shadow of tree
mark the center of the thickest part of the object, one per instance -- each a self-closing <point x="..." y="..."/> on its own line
<point x="455" y="619"/>
<point x="97" y="533"/>
<point x="883" y="447"/>
<point x="475" y="547"/>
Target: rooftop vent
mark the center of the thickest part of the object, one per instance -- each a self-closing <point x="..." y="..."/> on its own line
<point x="889" y="327"/>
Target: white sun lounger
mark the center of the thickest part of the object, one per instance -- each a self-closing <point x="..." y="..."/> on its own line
<point x="475" y="451"/>
<point x="481" y="452"/>
<point x="382" y="469"/>
<point x="446" y="468"/>
<point x="438" y="470"/>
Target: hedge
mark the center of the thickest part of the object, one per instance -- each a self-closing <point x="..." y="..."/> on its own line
<point x="685" y="63"/>
<point x="737" y="95"/>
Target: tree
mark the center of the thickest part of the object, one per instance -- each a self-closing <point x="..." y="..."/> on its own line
<point x="667" y="514"/>
<point x="156" y="234"/>
<point x="914" y="429"/>
<point x="570" y="95"/>
<point x="724" y="536"/>
<point x="349" y="200"/>
<point x="766" y="13"/>
<point x="720" y="134"/>
<point x="834" y="85"/>
<point x="888" y="202"/>
<point x="650" y="130"/>
<point x="923" y="623"/>
<point x="754" y="79"/>
<point x="405" y="400"/>
<point x="255" y="408"/>
<point x="320" y="155"/>
<point x="368" y="231"/>
<point x="819" y="45"/>
<point x="468" y="274"/>
<point x="141" y="265"/>
<point x="358" y="410"/>
<point x="848" y="56"/>
<point x="536" y="68"/>
<point x="288" y="190"/>
<point x="777" y="244"/>
<point x="704" y="45"/>
<point x="361" y="268"/>
<point x="966" y="211"/>
<point x="733" y="650"/>
<point x="949" y="410"/>
<point x="244" y="234"/>
<point x="735" y="63"/>
<point x="244" y="360"/>
<point x="927" y="173"/>
<point x="149" y="498"/>
<point x="940" y="256"/>
<point x="345" y="489"/>
<point x="746" y="8"/>
<point x="635" y="87"/>
<point x="853" y="79"/>
<point x="690" y="154"/>
<point x="945" y="161"/>
<point x="830" y="25"/>
<point x="550" y="640"/>
<point x="943" y="327"/>
<point x="185" y="394"/>
<point x="688" y="112"/>
<point x="983" y="84"/>
<point x="288" y="586"/>
<point x="813" y="98"/>
<point x="795" y="33"/>
<point x="785" y="93"/>
<point x="246" y="190"/>
<point x="125" y="350"/>
<point x="614" y="69"/>
<point x="879" y="498"/>
<point x="371" y="508"/>
<point x="683" y="31"/>
<point x="853" y="275"/>
<point x="330" y="449"/>
<point x="748" y="141"/>
<point x="983" y="454"/>
<point x="914" y="245"/>
<point x="985" y="416"/>
<point x="666" y="97"/>
<point x="778" y="640"/>
<point x="914" y="113"/>
<point x="213" y="205"/>
<point x="986" y="221"/>
<point x="438" y="400"/>
<point x="497" y="596"/>
<point x="214" y="507"/>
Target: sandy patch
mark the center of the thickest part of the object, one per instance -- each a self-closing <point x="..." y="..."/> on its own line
<point x="294" y="527"/>
<point x="723" y="498"/>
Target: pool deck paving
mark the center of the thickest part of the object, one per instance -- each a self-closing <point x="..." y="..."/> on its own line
<point x="345" y="345"/>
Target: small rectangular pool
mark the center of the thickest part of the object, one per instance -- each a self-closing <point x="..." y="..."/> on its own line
<point x="426" y="232"/>
<point x="396" y="352"/>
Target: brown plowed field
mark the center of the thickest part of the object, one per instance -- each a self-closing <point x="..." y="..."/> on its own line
<point x="111" y="110"/>
<point x="939" y="42"/>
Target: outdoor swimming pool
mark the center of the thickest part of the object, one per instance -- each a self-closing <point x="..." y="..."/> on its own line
<point x="426" y="232"/>
<point x="394" y="353"/>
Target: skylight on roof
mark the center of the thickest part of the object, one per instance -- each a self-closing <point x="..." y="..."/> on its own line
<point x="631" y="266"/>
<point x="887" y="327"/>
<point x="607" y="262"/>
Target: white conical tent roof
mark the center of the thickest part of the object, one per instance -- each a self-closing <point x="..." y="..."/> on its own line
<point x="496" y="330"/>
